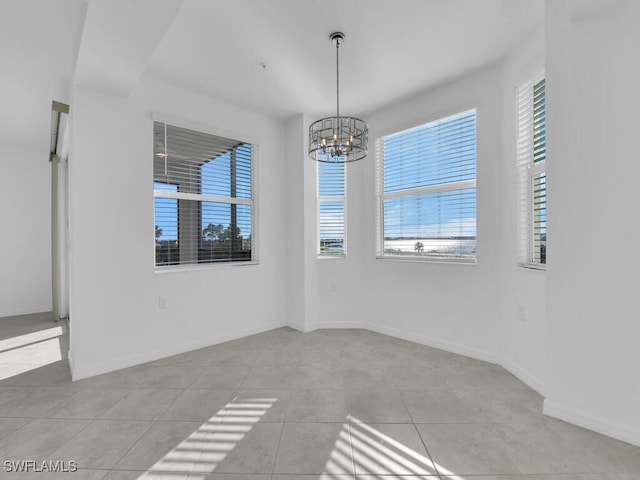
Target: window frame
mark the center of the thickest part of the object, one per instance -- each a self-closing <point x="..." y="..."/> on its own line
<point x="438" y="188"/>
<point x="252" y="201"/>
<point x="320" y="199"/>
<point x="155" y="218"/>
<point x="528" y="170"/>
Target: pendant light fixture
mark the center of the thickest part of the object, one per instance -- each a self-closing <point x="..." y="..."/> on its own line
<point x="338" y="139"/>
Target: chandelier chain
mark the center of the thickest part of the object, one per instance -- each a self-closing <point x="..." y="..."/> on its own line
<point x="337" y="77"/>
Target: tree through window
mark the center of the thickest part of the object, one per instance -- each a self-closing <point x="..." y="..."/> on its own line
<point x="203" y="194"/>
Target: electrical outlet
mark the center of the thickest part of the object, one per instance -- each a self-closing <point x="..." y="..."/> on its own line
<point x="522" y="313"/>
<point x="162" y="302"/>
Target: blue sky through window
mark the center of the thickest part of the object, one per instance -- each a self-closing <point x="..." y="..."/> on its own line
<point x="166" y="212"/>
<point x="435" y="154"/>
<point x="436" y="215"/>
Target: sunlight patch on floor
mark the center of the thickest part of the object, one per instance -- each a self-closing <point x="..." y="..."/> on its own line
<point x="359" y="448"/>
<point x="375" y="452"/>
<point x="28" y="352"/>
<point x="339" y="462"/>
<point x="201" y="452"/>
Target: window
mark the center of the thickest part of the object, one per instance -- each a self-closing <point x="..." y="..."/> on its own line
<point x="203" y="195"/>
<point x="531" y="157"/>
<point x="331" y="209"/>
<point x="427" y="191"/>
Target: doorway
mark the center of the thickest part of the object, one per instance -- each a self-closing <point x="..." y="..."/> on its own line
<point x="59" y="158"/>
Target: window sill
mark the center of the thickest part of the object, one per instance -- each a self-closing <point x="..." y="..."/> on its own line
<point x="332" y="257"/>
<point x="201" y="268"/>
<point x="532" y="267"/>
<point x="409" y="259"/>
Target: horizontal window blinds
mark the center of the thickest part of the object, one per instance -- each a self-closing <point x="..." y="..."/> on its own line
<point x="427" y="190"/>
<point x="203" y="197"/>
<point x="539" y="179"/>
<point x="437" y="153"/>
<point x="531" y="160"/>
<point x="539" y="123"/>
<point x="331" y="209"/>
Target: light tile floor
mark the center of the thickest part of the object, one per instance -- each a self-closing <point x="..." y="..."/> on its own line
<point x="283" y="405"/>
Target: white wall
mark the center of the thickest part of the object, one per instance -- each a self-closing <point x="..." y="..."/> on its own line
<point x="340" y="279"/>
<point x="322" y="292"/>
<point x="25" y="190"/>
<point x="25" y="209"/>
<point x="593" y="103"/>
<point x="295" y="235"/>
<point x="302" y="275"/>
<point x="453" y="306"/>
<point x="524" y="344"/>
<point x="37" y="57"/>
<point x="116" y="321"/>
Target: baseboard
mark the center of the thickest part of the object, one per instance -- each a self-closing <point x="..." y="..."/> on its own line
<point x="436" y="343"/>
<point x="133" y="360"/>
<point x="523" y="376"/>
<point x="25" y="311"/>
<point x="306" y="328"/>
<point x="511" y="367"/>
<point x="299" y="326"/>
<point x="318" y="325"/>
<point x="70" y="361"/>
<point x="591" y="422"/>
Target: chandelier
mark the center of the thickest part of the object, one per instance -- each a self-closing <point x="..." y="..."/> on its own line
<point x="338" y="139"/>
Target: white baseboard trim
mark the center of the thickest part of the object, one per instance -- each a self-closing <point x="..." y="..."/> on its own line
<point x="337" y="325"/>
<point x="523" y="375"/>
<point x="591" y="422"/>
<point x="299" y="326"/>
<point x="304" y="328"/>
<point x="133" y="360"/>
<point x="25" y="311"/>
<point x="70" y="361"/>
<point x="436" y="343"/>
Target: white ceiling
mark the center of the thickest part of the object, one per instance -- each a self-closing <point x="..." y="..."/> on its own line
<point x="38" y="47"/>
<point x="394" y="49"/>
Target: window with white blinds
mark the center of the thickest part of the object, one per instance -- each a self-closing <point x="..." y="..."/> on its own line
<point x="331" y="209"/>
<point x="531" y="158"/>
<point x="426" y="180"/>
<point x="203" y="196"/>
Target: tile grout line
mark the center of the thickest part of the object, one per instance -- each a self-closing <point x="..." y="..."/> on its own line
<point x="415" y="427"/>
<point x="323" y="345"/>
<point x="153" y="422"/>
<point x="353" y="455"/>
